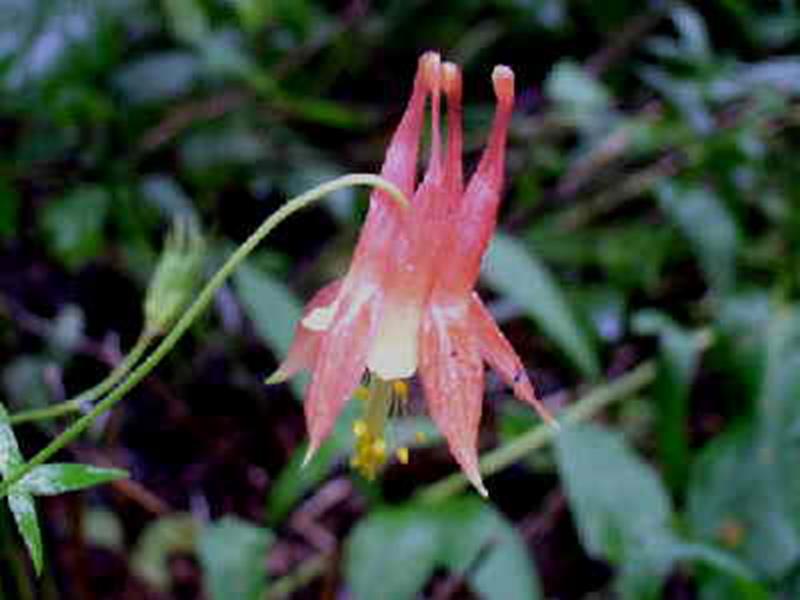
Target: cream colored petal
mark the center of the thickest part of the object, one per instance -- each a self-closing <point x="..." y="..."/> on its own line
<point x="321" y="318"/>
<point x="394" y="351"/>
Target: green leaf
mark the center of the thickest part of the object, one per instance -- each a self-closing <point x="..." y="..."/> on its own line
<point x="677" y="363"/>
<point x="631" y="256"/>
<point x="314" y="172"/>
<point x="623" y="514"/>
<point x="478" y="541"/>
<point x="218" y="147"/>
<point x="187" y="19"/>
<point x="20" y="502"/>
<point x="620" y="507"/>
<point x="720" y="587"/>
<point x="779" y="410"/>
<point x="10" y="456"/>
<point x="520" y="276"/>
<point x="781" y="74"/>
<point x="226" y="57"/>
<point x="744" y="490"/>
<point x="577" y="94"/>
<point x="24" y="382"/>
<point x="23" y="508"/>
<point x="273" y="309"/>
<point x="253" y="14"/>
<point x="392" y="553"/>
<point x="168" y="535"/>
<point x="712" y="556"/>
<point x="233" y="555"/>
<point x="743" y="321"/>
<point x="549" y="14"/>
<point x="157" y="77"/>
<point x="165" y="192"/>
<point x="686" y="95"/>
<point x="708" y="226"/>
<point x="692" y="30"/>
<point x="74" y="223"/>
<point x="467" y="537"/>
<point x="738" y="497"/>
<point x="53" y="479"/>
<point x="294" y="481"/>
<point x="42" y="40"/>
<point x="296" y="16"/>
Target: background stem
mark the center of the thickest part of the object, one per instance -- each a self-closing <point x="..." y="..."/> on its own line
<point x="87" y="397"/>
<point x="503" y="456"/>
<point x="587" y="407"/>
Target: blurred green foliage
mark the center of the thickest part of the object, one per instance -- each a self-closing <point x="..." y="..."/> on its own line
<point x="652" y="214"/>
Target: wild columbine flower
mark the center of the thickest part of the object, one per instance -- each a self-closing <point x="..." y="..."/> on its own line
<point x="407" y="304"/>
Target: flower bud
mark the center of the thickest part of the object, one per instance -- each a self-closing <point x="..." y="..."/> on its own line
<point x="175" y="279"/>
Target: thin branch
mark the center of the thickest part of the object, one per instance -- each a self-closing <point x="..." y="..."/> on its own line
<point x="593" y="403"/>
<point x="204" y="298"/>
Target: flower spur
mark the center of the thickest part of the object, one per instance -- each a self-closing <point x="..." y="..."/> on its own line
<point x="407" y="304"/>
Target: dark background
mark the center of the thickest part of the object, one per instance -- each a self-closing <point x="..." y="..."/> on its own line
<point x="651" y="217"/>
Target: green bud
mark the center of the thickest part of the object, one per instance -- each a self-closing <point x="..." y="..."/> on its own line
<point x="175" y="279"/>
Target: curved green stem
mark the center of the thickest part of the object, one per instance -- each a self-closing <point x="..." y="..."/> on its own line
<point x="197" y="307"/>
<point x="503" y="456"/>
<point x="79" y="402"/>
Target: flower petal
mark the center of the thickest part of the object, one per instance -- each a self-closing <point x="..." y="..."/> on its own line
<point x="452" y="377"/>
<point x="478" y="209"/>
<point x="400" y="165"/>
<point x="394" y="349"/>
<point x="307" y="340"/>
<point x="498" y="352"/>
<point x="341" y="360"/>
<point x="385" y="232"/>
<point x="428" y="197"/>
<point x="452" y="85"/>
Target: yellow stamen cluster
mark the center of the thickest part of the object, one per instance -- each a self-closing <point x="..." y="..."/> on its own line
<point x="402" y="455"/>
<point x="370" y="450"/>
<point x="380" y="399"/>
<point x="400" y="389"/>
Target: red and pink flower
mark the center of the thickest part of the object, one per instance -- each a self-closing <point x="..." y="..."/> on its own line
<point x="407" y="305"/>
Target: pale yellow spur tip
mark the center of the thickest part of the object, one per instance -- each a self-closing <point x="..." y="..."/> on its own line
<point x="277" y="377"/>
<point x="312" y="450"/>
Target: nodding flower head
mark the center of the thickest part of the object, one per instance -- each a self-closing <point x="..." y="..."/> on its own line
<point x="407" y="305"/>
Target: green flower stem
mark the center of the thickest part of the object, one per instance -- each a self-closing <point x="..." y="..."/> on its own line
<point x="590" y="405"/>
<point x="82" y="400"/>
<point x="197" y="307"/>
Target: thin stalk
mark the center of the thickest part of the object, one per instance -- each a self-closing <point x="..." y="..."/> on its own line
<point x="197" y="307"/>
<point x="590" y="405"/>
<point x="84" y="399"/>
